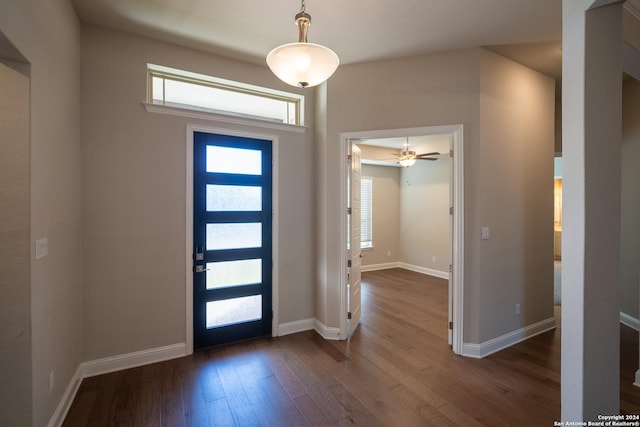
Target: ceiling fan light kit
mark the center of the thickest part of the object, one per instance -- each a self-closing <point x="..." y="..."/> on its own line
<point x="407" y="158"/>
<point x="303" y="64"/>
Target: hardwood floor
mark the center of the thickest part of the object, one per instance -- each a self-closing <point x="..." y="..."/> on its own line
<point x="396" y="371"/>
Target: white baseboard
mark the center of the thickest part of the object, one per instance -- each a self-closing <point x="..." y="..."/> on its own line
<point x="637" y="381"/>
<point x="67" y="399"/>
<point x="112" y="364"/>
<point x="295" y="327"/>
<point x="410" y="267"/>
<point x="630" y="321"/>
<point x="328" y="333"/>
<point x="478" y="351"/>
<point x="384" y="266"/>
<point x="132" y="360"/>
<point x="425" y="270"/>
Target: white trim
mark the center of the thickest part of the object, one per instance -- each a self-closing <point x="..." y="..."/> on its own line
<point x="630" y="321"/>
<point x="457" y="281"/>
<point x="384" y="266"/>
<point x="328" y="333"/>
<point x="425" y="270"/>
<point x="222" y="118"/>
<point x="296" y="326"/>
<point x="275" y="224"/>
<point x="637" y="381"/>
<point x="189" y="240"/>
<point x="132" y="360"/>
<point x="67" y="399"/>
<point x="486" y="348"/>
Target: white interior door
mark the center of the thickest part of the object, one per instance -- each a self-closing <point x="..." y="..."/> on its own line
<point x="353" y="264"/>
<point x="451" y="243"/>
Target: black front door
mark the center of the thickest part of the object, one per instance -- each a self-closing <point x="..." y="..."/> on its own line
<point x="232" y="216"/>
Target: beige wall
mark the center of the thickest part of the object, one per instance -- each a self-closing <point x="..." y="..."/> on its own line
<point x="48" y="36"/>
<point x="410" y="215"/>
<point x="515" y="171"/>
<point x="630" y="222"/>
<point x="411" y="92"/>
<point x="424" y="215"/>
<point x="15" y="304"/>
<point x="386" y="214"/>
<point x="508" y="115"/>
<point x="134" y="197"/>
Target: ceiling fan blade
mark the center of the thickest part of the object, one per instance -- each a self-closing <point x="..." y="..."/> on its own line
<point x="426" y="158"/>
<point x="428" y="154"/>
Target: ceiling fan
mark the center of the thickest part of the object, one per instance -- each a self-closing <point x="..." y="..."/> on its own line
<point x="408" y="158"/>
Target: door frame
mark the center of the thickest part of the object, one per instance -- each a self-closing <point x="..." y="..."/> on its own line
<point x="191" y="128"/>
<point x="456" y="277"/>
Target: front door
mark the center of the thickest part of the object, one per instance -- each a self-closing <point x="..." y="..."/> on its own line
<point x="232" y="216"/>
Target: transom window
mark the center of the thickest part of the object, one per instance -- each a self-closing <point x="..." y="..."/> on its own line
<point x="184" y="89"/>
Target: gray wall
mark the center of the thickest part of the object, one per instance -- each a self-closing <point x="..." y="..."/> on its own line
<point x="515" y="169"/>
<point x="15" y="301"/>
<point x="410" y="215"/>
<point x="630" y="218"/>
<point x="386" y="214"/>
<point x="48" y="36"/>
<point x="134" y="197"/>
<point x="508" y="115"/>
<point x="411" y="92"/>
<point x="424" y="214"/>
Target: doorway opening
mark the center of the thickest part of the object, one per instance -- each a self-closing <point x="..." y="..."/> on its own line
<point x="453" y="262"/>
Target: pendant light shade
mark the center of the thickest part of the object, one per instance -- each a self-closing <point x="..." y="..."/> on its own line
<point x="303" y="64"/>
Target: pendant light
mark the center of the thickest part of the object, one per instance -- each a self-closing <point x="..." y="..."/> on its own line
<point x="302" y="64"/>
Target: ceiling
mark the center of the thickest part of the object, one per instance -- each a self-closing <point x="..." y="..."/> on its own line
<point x="357" y="30"/>
<point x="526" y="31"/>
<point x="385" y="151"/>
<point x="529" y="32"/>
<point x="419" y="144"/>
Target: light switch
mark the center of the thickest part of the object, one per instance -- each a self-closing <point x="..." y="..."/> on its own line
<point x="485" y="233"/>
<point x="42" y="248"/>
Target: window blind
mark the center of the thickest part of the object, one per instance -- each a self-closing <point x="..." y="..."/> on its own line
<point x="366" y="213"/>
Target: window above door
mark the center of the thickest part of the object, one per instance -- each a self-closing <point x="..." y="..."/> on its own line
<point x="192" y="91"/>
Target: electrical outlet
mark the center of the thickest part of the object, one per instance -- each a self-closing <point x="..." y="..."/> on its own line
<point x="388" y="253"/>
<point x="433" y="258"/>
<point x="518" y="309"/>
<point x="51" y="382"/>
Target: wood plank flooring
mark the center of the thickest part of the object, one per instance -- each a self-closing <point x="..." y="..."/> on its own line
<point x="397" y="370"/>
